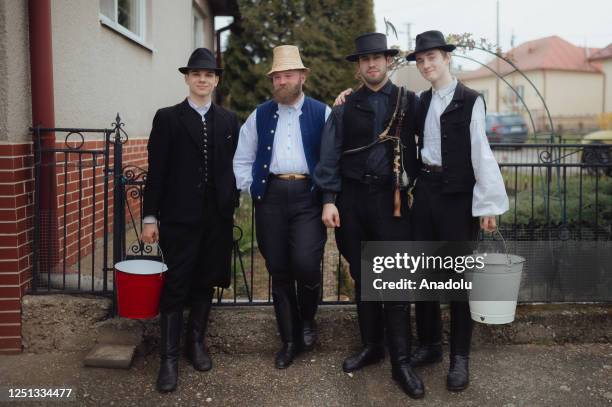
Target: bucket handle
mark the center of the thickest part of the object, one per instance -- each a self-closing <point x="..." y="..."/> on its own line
<point x="497" y="232"/>
<point x="141" y="244"/>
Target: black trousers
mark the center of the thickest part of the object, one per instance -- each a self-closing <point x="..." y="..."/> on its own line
<point x="291" y="238"/>
<point x="366" y="213"/>
<point x="198" y="257"/>
<point x="443" y="217"/>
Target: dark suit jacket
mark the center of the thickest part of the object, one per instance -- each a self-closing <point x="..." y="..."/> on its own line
<point x="174" y="186"/>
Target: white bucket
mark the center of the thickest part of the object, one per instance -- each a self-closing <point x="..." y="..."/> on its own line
<point x="495" y="288"/>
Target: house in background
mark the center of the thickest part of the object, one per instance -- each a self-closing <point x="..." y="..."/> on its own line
<point x="604" y="57"/>
<point x="66" y="63"/>
<point x="569" y="80"/>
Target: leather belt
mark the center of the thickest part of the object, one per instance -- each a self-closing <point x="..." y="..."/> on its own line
<point x="290" y="177"/>
<point x="431" y="168"/>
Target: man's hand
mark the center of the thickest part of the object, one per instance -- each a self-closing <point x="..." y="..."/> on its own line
<point x="330" y="217"/>
<point x="488" y="224"/>
<point x="150" y="233"/>
<point x="341" y="98"/>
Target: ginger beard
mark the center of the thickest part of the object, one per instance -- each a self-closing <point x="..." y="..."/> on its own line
<point x="287" y="86"/>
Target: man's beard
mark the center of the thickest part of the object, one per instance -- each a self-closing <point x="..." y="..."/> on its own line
<point x="287" y="94"/>
<point x="374" y="81"/>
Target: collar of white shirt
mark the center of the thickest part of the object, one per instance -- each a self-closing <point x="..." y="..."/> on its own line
<point x="202" y="110"/>
<point x="447" y="90"/>
<point x="296" y="107"/>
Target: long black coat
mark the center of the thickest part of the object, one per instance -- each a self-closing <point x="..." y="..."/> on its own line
<point x="174" y="190"/>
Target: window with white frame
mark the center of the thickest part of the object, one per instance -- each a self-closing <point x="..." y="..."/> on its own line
<point x="126" y="16"/>
<point x="198" y="28"/>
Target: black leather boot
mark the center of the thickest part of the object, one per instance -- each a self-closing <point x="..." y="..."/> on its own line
<point x="171" y="324"/>
<point x="285" y="308"/>
<point x="196" y="331"/>
<point x="458" y="375"/>
<point x="369" y="315"/>
<point x="397" y="321"/>
<point x="308" y="298"/>
<point x="426" y="355"/>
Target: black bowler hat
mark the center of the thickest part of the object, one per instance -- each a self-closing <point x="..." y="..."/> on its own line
<point x="430" y="40"/>
<point x="371" y="43"/>
<point x="202" y="58"/>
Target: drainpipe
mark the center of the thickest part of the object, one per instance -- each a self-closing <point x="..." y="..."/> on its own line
<point x="43" y="115"/>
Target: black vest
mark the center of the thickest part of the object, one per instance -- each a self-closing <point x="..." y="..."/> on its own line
<point x="457" y="171"/>
<point x="358" y="122"/>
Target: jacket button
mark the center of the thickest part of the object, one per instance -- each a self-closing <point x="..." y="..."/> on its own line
<point x="446" y="181"/>
<point x="444" y="136"/>
<point x="263" y="181"/>
<point x="200" y="185"/>
<point x="269" y="148"/>
<point x="445" y="167"/>
<point x="272" y="131"/>
<point x="265" y="165"/>
<point x="258" y="197"/>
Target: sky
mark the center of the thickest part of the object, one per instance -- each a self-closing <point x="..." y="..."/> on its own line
<point x="583" y="22"/>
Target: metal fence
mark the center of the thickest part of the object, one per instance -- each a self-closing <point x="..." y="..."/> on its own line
<point x="558" y="192"/>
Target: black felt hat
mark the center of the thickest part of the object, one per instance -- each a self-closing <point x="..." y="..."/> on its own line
<point x="371" y="43"/>
<point x="202" y="58"/>
<point x="430" y="40"/>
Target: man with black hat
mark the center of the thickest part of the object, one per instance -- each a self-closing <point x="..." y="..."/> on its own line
<point x="277" y="152"/>
<point x="190" y="190"/>
<point x="459" y="182"/>
<point x="362" y="199"/>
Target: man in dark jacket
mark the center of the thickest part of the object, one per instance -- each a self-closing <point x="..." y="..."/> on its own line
<point x="190" y="190"/>
<point x="361" y="199"/>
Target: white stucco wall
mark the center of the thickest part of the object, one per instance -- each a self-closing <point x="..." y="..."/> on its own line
<point x="99" y="72"/>
<point x="15" y="100"/>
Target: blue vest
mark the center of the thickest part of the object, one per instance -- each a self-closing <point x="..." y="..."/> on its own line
<point x="312" y="121"/>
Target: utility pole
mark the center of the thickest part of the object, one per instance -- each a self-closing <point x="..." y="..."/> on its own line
<point x="409" y="34"/>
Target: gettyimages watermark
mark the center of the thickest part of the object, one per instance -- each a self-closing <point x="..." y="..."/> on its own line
<point x="486" y="271"/>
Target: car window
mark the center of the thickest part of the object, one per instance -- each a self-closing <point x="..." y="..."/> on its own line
<point x="511" y="120"/>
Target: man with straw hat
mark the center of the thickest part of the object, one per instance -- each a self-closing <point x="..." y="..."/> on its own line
<point x="190" y="191"/>
<point x="368" y="154"/>
<point x="277" y="152"/>
<point x="459" y="183"/>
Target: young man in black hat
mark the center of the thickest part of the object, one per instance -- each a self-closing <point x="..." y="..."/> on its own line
<point x="358" y="181"/>
<point x="190" y="190"/>
<point x="276" y="156"/>
<point x="459" y="182"/>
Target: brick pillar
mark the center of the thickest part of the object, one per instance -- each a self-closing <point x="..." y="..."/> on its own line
<point x="16" y="233"/>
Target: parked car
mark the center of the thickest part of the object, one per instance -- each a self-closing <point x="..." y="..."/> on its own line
<point x="598" y="155"/>
<point x="506" y="128"/>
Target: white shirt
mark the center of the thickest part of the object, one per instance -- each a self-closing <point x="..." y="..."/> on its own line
<point x="288" y="155"/>
<point x="489" y="196"/>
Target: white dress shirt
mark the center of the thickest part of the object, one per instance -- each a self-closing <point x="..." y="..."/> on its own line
<point x="489" y="195"/>
<point x="202" y="110"/>
<point x="288" y="155"/>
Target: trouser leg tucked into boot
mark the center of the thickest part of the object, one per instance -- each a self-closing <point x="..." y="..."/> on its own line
<point x="308" y="297"/>
<point x="196" y="332"/>
<point x="429" y="331"/>
<point x="460" y="343"/>
<point x="371" y="326"/>
<point x="397" y="321"/>
<point x="285" y="308"/>
<point x="171" y="324"/>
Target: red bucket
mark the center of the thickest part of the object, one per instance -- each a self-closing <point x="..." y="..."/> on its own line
<point x="139" y="285"/>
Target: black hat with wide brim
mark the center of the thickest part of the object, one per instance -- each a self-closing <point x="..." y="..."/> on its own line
<point x="201" y="58"/>
<point x="429" y="40"/>
<point x="371" y="43"/>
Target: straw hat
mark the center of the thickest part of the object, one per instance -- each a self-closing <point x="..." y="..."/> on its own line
<point x="286" y="58"/>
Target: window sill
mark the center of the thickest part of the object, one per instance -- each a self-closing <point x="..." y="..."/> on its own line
<point x="107" y="22"/>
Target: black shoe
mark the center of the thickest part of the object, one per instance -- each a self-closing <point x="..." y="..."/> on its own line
<point x="285" y="356"/>
<point x="408" y="380"/>
<point x="426" y="355"/>
<point x="195" y="348"/>
<point x="309" y="330"/>
<point x="369" y="355"/>
<point x="458" y="375"/>
<point x="171" y="325"/>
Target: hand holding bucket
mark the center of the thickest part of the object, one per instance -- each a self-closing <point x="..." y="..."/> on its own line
<point x="139" y="284"/>
<point x="495" y="287"/>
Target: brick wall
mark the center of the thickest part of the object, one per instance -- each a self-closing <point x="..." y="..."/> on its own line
<point x="77" y="180"/>
<point x="16" y="232"/>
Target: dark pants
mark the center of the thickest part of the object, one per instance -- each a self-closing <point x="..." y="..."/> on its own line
<point x="366" y="214"/>
<point x="443" y="217"/>
<point x="196" y="255"/>
<point x="291" y="238"/>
